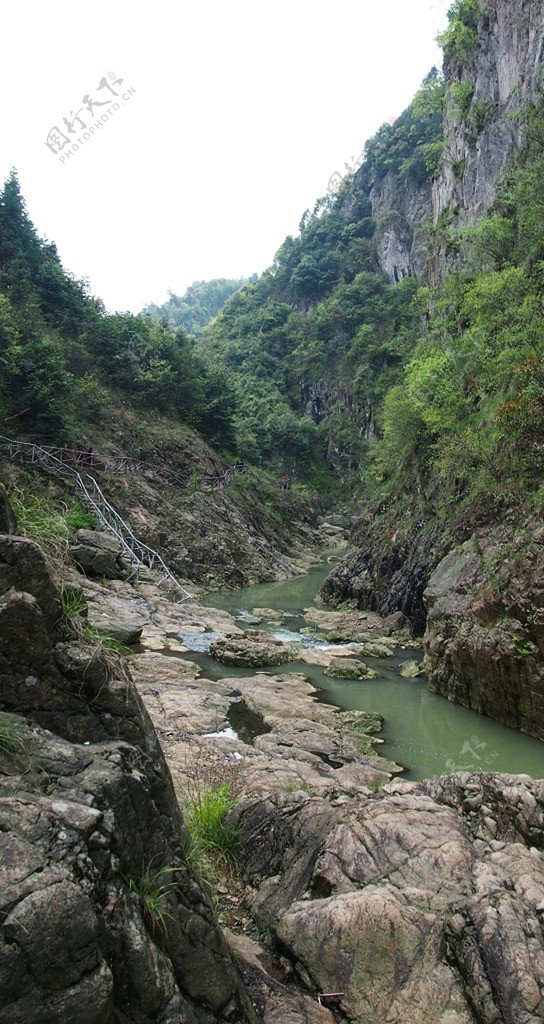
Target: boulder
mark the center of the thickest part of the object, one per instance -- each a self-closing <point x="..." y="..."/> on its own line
<point x="377" y="649"/>
<point x="8" y="521"/>
<point x="350" y="668"/>
<point x="411" y="669"/>
<point x="272" y="614"/>
<point x="101" y="917"/>
<point x="254" y="650"/>
<point x="422" y="903"/>
<point x="395" y="623"/>
<point x="98" y="554"/>
<point x="123" y="632"/>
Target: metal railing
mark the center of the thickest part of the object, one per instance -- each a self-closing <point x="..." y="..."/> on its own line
<point x="138" y="553"/>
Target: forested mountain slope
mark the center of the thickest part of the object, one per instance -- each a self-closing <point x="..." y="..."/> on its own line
<point x="399" y="339"/>
<point x="198" y="305"/>
<point x="157" y="416"/>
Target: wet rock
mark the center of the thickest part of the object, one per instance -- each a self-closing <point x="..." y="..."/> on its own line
<point x="350" y="668"/>
<point x="271" y="614"/>
<point x="377" y="649"/>
<point x="484" y="638"/>
<point x="386" y="570"/>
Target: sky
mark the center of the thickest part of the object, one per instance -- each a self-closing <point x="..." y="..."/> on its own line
<point x="215" y="125"/>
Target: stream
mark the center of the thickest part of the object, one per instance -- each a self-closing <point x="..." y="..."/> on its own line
<point x="425" y="733"/>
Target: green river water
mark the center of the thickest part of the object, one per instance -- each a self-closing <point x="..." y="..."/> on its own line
<point x="425" y="733"/>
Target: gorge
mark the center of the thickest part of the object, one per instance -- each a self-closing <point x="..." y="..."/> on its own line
<point x="382" y="383"/>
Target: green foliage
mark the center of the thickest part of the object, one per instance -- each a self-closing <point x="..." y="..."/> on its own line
<point x="461" y="36"/>
<point x="412" y="145"/>
<point x="47" y="522"/>
<point x="151" y="891"/>
<point x="470" y="409"/>
<point x="462" y="91"/>
<point x="12" y="742"/>
<point x="210" y="835"/>
<point x="61" y="354"/>
<point x="104" y="641"/>
<point x="73" y="603"/>
<point x="41" y="520"/>
<point x="201" y="302"/>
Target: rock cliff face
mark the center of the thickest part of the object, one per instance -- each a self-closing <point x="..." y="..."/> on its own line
<point x="483" y="647"/>
<point x="484" y="642"/>
<point x="400" y="207"/>
<point x="503" y="76"/>
<point x="91" y="838"/>
<point x="387" y="569"/>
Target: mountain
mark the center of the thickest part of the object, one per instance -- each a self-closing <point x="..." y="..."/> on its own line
<point x="397" y="343"/>
<point x="200" y="303"/>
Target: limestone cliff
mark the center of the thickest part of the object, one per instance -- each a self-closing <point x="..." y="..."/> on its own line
<point x="487" y="93"/>
<point x="482" y="644"/>
<point x="401" y="208"/>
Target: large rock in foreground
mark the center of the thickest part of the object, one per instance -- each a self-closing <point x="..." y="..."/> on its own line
<point x="421" y="906"/>
<point x="101" y="919"/>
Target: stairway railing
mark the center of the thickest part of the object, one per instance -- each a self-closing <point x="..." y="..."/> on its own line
<point x="138" y="553"/>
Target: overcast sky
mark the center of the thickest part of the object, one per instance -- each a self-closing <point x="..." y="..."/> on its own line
<point x="229" y="122"/>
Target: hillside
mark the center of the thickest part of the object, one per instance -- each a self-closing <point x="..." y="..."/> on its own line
<point x="157" y="417"/>
<point x="398" y="341"/>
<point x="197" y="306"/>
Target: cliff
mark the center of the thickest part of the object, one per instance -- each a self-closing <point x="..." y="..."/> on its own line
<point x="489" y="86"/>
<point x="467" y="480"/>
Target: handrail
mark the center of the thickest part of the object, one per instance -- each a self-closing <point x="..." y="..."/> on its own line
<point x="138" y="553"/>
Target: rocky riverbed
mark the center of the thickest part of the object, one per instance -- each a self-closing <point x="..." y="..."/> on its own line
<point x="411" y="902"/>
<point x="360" y="896"/>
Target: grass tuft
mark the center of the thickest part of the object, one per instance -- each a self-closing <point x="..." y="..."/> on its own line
<point x="74" y="604"/>
<point x="210" y="835"/>
<point x="151" y="893"/>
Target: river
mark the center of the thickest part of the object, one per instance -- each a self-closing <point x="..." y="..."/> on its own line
<point x="425" y="733"/>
